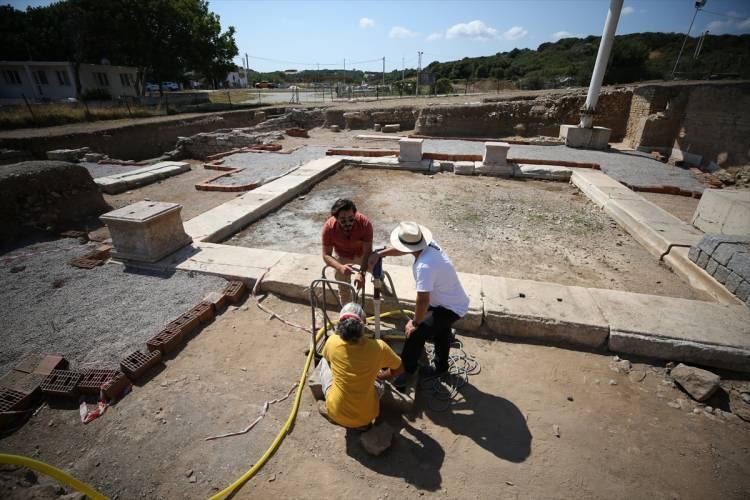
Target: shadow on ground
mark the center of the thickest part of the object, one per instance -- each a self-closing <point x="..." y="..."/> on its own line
<point x="492" y="422"/>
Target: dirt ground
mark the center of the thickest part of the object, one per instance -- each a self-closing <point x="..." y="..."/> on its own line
<point x="617" y="435"/>
<point x="544" y="231"/>
<point x="178" y="189"/>
<point x="682" y="207"/>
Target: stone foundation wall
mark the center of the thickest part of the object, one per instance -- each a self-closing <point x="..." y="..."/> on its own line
<point x="48" y="195"/>
<point x="406" y="117"/>
<point x="707" y="119"/>
<point x="542" y="115"/>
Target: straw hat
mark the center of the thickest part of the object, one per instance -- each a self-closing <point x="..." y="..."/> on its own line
<point x="410" y="237"/>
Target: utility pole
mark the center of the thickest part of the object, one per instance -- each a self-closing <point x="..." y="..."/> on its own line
<point x="600" y="66"/>
<point x="247" y="71"/>
<point x="383" y="74"/>
<point x="698" y="5"/>
<point x="419" y="72"/>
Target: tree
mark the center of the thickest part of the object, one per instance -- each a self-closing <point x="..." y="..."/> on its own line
<point x="443" y="86"/>
<point x="162" y="38"/>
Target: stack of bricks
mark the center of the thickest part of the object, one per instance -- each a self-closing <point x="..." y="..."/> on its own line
<point x="727" y="259"/>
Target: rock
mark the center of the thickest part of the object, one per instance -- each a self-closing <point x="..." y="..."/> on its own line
<point x="72" y="155"/>
<point x="391" y="127"/>
<point x="620" y="365"/>
<point x="17" y="269"/>
<point x="93" y="157"/>
<point x="378" y="439"/>
<point x="612" y="382"/>
<point x="335" y="128"/>
<point x="637" y="375"/>
<point x="377" y="127"/>
<point x="739" y="406"/>
<point x="674" y="404"/>
<point x="556" y="430"/>
<point x="700" y="384"/>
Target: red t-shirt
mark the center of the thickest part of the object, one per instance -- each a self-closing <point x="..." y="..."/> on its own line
<point x="348" y="245"/>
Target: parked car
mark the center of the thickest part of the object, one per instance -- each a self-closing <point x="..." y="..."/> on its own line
<point x="170" y="86"/>
<point x="265" y="85"/>
<point x="152" y="87"/>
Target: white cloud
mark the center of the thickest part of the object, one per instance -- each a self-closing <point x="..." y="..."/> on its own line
<point x="399" y="32"/>
<point x="515" y="33"/>
<point x="559" y="35"/>
<point x="434" y="36"/>
<point x="729" y="26"/>
<point x="366" y="22"/>
<point x="626" y="11"/>
<point x="475" y="30"/>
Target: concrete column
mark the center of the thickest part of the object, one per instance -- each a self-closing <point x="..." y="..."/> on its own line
<point x="602" y="57"/>
<point x="72" y="78"/>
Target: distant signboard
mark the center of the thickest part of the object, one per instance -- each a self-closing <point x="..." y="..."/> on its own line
<point x="426" y="79"/>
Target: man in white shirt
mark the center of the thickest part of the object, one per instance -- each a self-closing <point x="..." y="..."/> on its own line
<point x="441" y="300"/>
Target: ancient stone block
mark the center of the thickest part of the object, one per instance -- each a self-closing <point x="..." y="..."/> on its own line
<point x="721" y="274"/>
<point x="711" y="266"/>
<point x="463" y="168"/>
<point x="495" y="153"/>
<point x="146" y="231"/>
<point x="410" y="149"/>
<point x="391" y="128"/>
<point x="733" y="281"/>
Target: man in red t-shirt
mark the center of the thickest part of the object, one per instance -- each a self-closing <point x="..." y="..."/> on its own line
<point x="347" y="239"/>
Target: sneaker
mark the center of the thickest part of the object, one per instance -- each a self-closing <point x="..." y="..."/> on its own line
<point x="431" y="371"/>
<point x="401" y="381"/>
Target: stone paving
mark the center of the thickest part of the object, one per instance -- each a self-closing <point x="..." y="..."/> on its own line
<point x="633" y="168"/>
<point x="259" y="168"/>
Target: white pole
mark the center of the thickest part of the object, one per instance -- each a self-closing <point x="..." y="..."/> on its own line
<point x="602" y="57"/>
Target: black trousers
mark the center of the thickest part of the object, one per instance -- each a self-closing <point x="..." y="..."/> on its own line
<point x="435" y="327"/>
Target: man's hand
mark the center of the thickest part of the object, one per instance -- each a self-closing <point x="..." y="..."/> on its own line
<point x="347" y="270"/>
<point x="384" y="374"/>
<point x="359" y="280"/>
<point x="410" y="328"/>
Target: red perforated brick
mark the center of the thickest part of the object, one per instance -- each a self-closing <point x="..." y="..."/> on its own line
<point x="62" y="383"/>
<point x="49" y="363"/>
<point x="136" y="364"/>
<point x="235" y="291"/>
<point x="115" y="386"/>
<point x="92" y="380"/>
<point x="165" y="341"/>
<point x="205" y="312"/>
<point x="11" y="400"/>
<point x="185" y="323"/>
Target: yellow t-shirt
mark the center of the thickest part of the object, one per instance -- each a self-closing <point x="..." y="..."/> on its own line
<point x="352" y="400"/>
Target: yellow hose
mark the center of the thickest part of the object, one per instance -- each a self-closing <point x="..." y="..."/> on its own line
<point x="74" y="483"/>
<point x="53" y="472"/>
<point x="289" y="421"/>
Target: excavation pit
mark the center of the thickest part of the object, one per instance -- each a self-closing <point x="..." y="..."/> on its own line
<point x="524" y="229"/>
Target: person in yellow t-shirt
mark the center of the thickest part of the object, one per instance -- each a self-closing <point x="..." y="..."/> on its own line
<point x="352" y="369"/>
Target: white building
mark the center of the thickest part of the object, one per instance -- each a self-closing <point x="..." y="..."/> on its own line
<point x="236" y="79"/>
<point x="56" y="80"/>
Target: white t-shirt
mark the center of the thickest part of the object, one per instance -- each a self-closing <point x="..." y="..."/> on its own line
<point x="434" y="273"/>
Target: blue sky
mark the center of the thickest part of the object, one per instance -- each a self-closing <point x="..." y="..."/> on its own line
<point x="301" y="34"/>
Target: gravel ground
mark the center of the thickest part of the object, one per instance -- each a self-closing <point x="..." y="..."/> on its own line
<point x="262" y="167"/>
<point x="92" y="317"/>
<point x="96" y="170"/>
